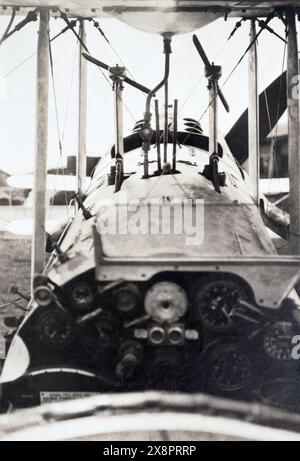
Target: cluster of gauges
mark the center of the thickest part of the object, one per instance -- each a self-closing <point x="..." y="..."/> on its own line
<point x="157" y="317"/>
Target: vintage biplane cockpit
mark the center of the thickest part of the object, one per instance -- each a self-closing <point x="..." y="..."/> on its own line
<point x="167" y="277"/>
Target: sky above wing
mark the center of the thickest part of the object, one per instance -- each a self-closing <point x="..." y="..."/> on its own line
<point x="142" y="54"/>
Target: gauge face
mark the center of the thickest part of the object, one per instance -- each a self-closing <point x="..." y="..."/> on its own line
<point x="126" y="298"/>
<point x="230" y="368"/>
<point x="166" y="302"/>
<point x="278" y="341"/>
<point x="216" y="302"/>
<point x="55" y="329"/>
<point x="81" y="296"/>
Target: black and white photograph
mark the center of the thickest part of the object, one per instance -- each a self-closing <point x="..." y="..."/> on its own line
<point x="149" y="223"/>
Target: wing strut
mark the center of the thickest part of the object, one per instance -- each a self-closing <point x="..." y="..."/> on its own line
<point x="41" y="146"/>
<point x="253" y="119"/>
<point x="82" y="114"/>
<point x="293" y="129"/>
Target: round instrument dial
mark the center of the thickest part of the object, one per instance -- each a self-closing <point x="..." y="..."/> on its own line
<point x="81" y="296"/>
<point x="278" y="340"/>
<point x="230" y="368"/>
<point x="166" y="302"/>
<point x="216" y="302"/>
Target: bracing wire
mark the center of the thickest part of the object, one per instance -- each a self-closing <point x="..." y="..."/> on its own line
<point x="5" y="220"/>
<point x="273" y="153"/>
<point x="97" y="26"/>
<point x="32" y="55"/>
<point x="13" y="303"/>
<point x="13" y="15"/>
<point x="102" y="73"/>
<point x="274" y="137"/>
<point x="271" y="15"/>
<point x="221" y="50"/>
<point x="68" y="104"/>
<point x="60" y="142"/>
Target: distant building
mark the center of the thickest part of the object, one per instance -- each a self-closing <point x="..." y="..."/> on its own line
<point x="9" y="195"/>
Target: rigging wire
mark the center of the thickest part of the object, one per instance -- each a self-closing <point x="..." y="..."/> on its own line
<point x="65" y="18"/>
<point x="60" y="142"/>
<point x="181" y="187"/>
<point x="273" y="153"/>
<point x="97" y="26"/>
<point x="5" y="220"/>
<point x="31" y="17"/>
<point x="32" y="55"/>
<point x="60" y="138"/>
<point x="71" y="85"/>
<point x="13" y="15"/>
<point x="55" y="99"/>
<point x="13" y="303"/>
<point x="221" y="50"/>
<point x="67" y="21"/>
<point x="269" y="18"/>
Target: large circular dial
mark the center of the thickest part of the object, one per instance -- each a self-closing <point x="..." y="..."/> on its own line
<point x="230" y="368"/>
<point x="216" y="302"/>
<point x="278" y="340"/>
<point x="166" y="302"/>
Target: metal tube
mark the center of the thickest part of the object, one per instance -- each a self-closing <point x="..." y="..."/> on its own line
<point x="41" y="146"/>
<point x="157" y="137"/>
<point x="175" y="124"/>
<point x="167" y="42"/>
<point x="166" y="129"/>
<point x="213" y="117"/>
<point x="213" y="74"/>
<point x="117" y="75"/>
<point x="293" y="130"/>
<point x="119" y="134"/>
<point x="147" y="131"/>
<point x="82" y="135"/>
<point x="253" y="119"/>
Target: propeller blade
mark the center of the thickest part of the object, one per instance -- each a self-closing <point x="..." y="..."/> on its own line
<point x="272" y="105"/>
<point x="95" y="61"/>
<point x="223" y="100"/>
<point x="128" y="80"/>
<point x="201" y="51"/>
<point x="136" y="85"/>
<point x="207" y="64"/>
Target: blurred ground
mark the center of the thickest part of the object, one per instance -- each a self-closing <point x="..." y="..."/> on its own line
<point x="14" y="268"/>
